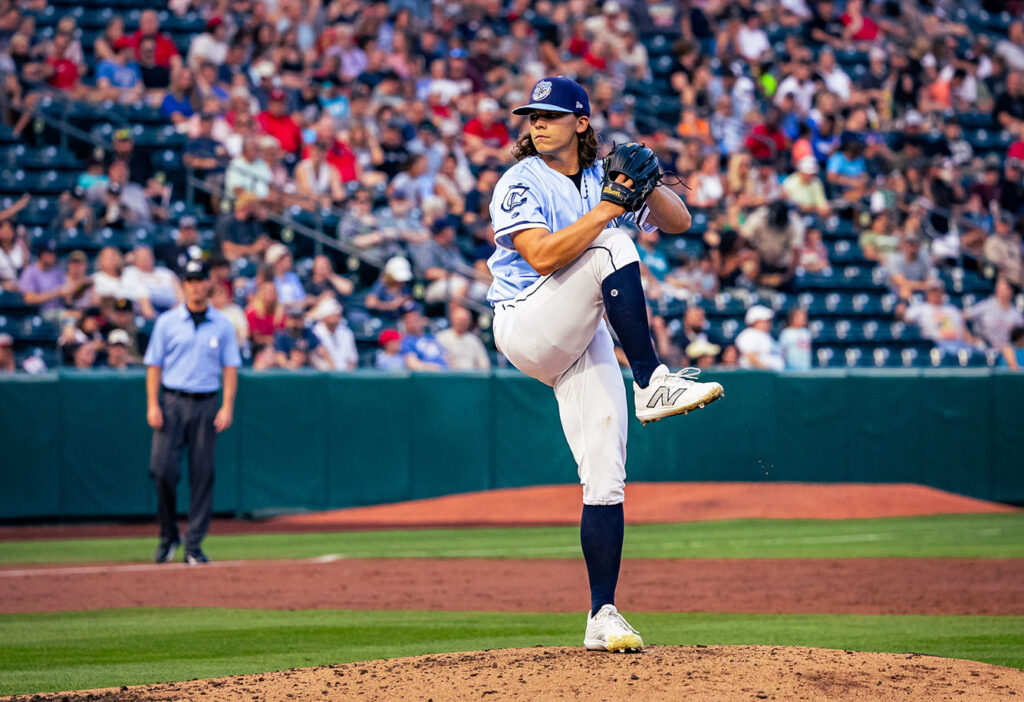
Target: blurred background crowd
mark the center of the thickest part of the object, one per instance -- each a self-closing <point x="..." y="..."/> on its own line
<point x="855" y="170"/>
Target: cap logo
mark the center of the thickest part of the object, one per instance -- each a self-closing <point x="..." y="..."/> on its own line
<point x="579" y="105"/>
<point x="541" y="90"/>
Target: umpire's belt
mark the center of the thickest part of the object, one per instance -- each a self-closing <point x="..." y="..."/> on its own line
<point x="190" y="395"/>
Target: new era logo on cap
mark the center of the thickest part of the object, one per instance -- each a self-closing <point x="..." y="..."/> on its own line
<point x="557" y="94"/>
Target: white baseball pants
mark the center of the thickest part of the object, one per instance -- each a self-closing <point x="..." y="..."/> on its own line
<point x="555" y="331"/>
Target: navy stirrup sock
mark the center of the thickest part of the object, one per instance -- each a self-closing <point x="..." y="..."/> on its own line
<point x="626" y="305"/>
<point x="601" y="528"/>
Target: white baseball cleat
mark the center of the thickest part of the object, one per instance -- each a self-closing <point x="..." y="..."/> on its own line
<point x="670" y="393"/>
<point x="609" y="631"/>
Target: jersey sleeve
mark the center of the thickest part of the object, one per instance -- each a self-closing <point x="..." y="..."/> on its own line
<point x="516" y="206"/>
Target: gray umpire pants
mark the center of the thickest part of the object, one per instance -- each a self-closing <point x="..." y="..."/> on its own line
<point x="188" y="422"/>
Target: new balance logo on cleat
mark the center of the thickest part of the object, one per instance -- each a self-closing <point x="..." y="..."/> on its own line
<point x="670" y="393"/>
<point x="665" y="397"/>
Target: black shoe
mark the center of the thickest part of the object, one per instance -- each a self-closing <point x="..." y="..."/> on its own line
<point x="165" y="551"/>
<point x="196" y="557"/>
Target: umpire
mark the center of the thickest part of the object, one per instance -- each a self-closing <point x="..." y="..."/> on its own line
<point x="190" y="346"/>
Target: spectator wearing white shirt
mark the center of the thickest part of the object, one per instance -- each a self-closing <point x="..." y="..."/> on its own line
<point x="210" y="46"/>
<point x="755" y="344"/>
<point x="157" y="284"/>
<point x="463" y="348"/>
<point x="334" y="336"/>
<point x="835" y="77"/>
<point x="109" y="281"/>
<point x="751" y="40"/>
<point x="795" y="341"/>
<point x="995" y="317"/>
<point x="801" y="85"/>
<point x="1011" y="49"/>
<point x="939" y="321"/>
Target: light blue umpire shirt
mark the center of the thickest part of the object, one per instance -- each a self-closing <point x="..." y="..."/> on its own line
<point x="192" y="357"/>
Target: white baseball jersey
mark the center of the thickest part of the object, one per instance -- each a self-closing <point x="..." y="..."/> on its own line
<point x="533" y="195"/>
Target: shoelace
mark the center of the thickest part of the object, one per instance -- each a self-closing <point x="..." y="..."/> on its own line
<point x="621" y="620"/>
<point x="688" y="373"/>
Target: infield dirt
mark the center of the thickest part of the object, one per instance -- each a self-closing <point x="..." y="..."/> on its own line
<point x="660" y="673"/>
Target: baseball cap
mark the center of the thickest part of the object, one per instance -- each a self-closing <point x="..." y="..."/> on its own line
<point x="122" y="304"/>
<point x="77" y="256"/>
<point x="123" y="43"/>
<point x="702" y="347"/>
<point x="557" y="94"/>
<point x="196" y="270"/>
<point x="275" y="253"/>
<point x="758" y="313"/>
<point x="387" y="336"/>
<point x="399" y="269"/>
<point x="123" y="135"/>
<point x="807" y="165"/>
<point x="326" y="307"/>
<point x="187" y="222"/>
<point x="487" y="105"/>
<point x="277" y="95"/>
<point x="119" y="336"/>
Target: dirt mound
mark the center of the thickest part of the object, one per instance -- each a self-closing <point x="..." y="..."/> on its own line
<point x="660" y="673"/>
<point x="652" y="503"/>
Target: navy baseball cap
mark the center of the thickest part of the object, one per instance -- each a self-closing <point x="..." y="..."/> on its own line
<point x="196" y="270"/>
<point x="557" y="94"/>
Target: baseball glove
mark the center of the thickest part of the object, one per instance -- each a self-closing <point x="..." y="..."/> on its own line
<point x="636" y="162"/>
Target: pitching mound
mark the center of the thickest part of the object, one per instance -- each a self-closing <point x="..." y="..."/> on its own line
<point x="660" y="673"/>
<point x="649" y="503"/>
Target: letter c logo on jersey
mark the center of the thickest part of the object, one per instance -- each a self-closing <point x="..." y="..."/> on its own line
<point x="515" y="196"/>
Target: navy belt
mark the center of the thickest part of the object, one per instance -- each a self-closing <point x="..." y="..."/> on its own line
<point x="190" y="395"/>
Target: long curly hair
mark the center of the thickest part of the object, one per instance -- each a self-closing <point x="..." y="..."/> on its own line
<point x="586" y="144"/>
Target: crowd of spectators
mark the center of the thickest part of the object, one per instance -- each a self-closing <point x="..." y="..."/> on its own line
<point x="395" y="115"/>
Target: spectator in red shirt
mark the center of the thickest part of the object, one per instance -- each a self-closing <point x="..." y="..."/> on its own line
<point x="264" y="314"/>
<point x="63" y="71"/>
<point x="485" y="137"/>
<point x="58" y="70"/>
<point x="859" y="27"/>
<point x="766" y="141"/>
<point x="149" y="26"/>
<point x="339" y="154"/>
<point x="276" y="122"/>
<point x="1017" y="150"/>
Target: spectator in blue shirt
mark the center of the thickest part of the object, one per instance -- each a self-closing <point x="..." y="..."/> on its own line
<point x="290" y="292"/>
<point x="847" y="170"/>
<point x="119" y="77"/>
<point x="295" y="345"/>
<point x="204" y="154"/>
<point x="1013" y="355"/>
<point x="177" y="104"/>
<point x="419" y="347"/>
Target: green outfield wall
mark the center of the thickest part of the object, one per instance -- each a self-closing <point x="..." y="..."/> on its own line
<point x="77" y="444"/>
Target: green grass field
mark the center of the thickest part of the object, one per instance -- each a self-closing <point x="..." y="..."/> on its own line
<point x="76" y="650"/>
<point x="47" y="652"/>
<point x="962" y="536"/>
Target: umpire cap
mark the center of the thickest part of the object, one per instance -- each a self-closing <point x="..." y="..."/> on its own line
<point x="196" y="270"/>
<point x="557" y="94"/>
